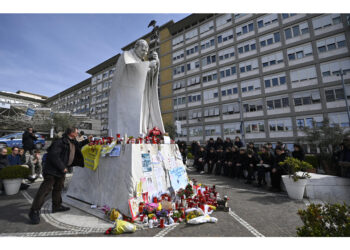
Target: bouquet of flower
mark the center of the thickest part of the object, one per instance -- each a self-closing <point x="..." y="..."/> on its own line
<point x="188" y="191"/>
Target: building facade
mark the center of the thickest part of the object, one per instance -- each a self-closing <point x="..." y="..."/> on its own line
<point x="276" y="72"/>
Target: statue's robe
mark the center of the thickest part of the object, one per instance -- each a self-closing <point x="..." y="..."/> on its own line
<point x="133" y="100"/>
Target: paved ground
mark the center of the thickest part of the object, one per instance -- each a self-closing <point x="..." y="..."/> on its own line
<point x="255" y="212"/>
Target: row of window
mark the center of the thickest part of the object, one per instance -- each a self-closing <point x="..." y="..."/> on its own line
<point x="274" y="102"/>
<point x="280" y="125"/>
<point x="328" y="70"/>
<point x="319" y="23"/>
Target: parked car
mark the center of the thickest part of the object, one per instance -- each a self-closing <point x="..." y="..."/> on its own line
<point x="15" y="139"/>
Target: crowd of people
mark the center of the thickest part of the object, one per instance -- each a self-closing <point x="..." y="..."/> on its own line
<point x="230" y="158"/>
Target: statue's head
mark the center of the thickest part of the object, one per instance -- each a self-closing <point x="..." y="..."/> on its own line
<point x="141" y="48"/>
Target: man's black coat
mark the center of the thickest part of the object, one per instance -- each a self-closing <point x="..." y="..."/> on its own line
<point x="28" y="140"/>
<point x="58" y="156"/>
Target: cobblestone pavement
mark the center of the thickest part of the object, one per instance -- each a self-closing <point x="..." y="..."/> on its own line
<point x="255" y="212"/>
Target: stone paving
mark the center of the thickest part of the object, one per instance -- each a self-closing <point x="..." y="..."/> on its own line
<point x="255" y="212"/>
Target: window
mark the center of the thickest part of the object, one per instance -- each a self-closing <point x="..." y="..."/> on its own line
<point x="213" y="130"/>
<point x="280" y="125"/>
<point x="211" y="111"/>
<point x="206" y="27"/>
<point x="194" y="80"/>
<point x="179" y="100"/>
<point x="286" y="15"/>
<point x="210" y="94"/>
<point x="181" y="116"/>
<point x="332" y="68"/>
<point x="309" y="122"/>
<point x="267" y="20"/>
<point x="303" y="74"/>
<point x="179" y="84"/>
<point x="190" y="34"/>
<point x="331" y="43"/>
<point x="192" y="65"/>
<point x="248" y="65"/>
<point x="325" y="21"/>
<point x="277" y="103"/>
<point x="296" y="30"/>
<point x="192" y="49"/>
<point x="226" y="53"/>
<point x="229" y="90"/>
<point x="340" y="119"/>
<point x="272" y="59"/>
<point x="246" y="46"/>
<point x="336" y="94"/>
<point x="178" y="55"/>
<point x="224" y="19"/>
<point x="253" y="106"/>
<point x="209" y="76"/>
<point x="306" y="98"/>
<point x="196" y="131"/>
<point x="194" y="97"/>
<point x="270" y="39"/>
<point x="226" y="36"/>
<point x="195" y="114"/>
<point x="208" y="60"/>
<point x="254" y="127"/>
<point x="299" y="52"/>
<point x="231" y="108"/>
<point x="244" y="29"/>
<point x="207" y="43"/>
<point x="251" y="85"/>
<point x="178" y="40"/>
<point x="179" y="69"/>
<point x="232" y="128"/>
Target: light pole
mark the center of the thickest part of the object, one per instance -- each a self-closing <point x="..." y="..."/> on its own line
<point x="345" y="94"/>
<point x="242" y="121"/>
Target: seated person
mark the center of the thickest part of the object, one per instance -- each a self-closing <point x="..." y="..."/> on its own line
<point x="14" y="158"/>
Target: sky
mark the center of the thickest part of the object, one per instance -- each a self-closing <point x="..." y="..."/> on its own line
<point x="48" y="53"/>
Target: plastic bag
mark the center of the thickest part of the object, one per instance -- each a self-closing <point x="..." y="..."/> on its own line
<point x="123" y="227"/>
<point x="202" y="219"/>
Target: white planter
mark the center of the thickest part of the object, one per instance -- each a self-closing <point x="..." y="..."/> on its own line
<point x="12" y="185"/>
<point x="295" y="189"/>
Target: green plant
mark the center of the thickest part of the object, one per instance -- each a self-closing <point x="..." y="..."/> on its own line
<point x="326" y="137"/>
<point x="313" y="160"/>
<point x="189" y="155"/>
<point x="14" y="172"/>
<point x="328" y="220"/>
<point x="293" y="166"/>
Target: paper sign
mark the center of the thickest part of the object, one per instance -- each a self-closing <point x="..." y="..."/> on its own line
<point x="146" y="163"/>
<point x="91" y="156"/>
<point x="150" y="186"/>
<point x="134" y="207"/>
<point x="178" y="177"/>
<point x="106" y="149"/>
<point x="115" y="151"/>
<point x="139" y="189"/>
<point x="159" y="174"/>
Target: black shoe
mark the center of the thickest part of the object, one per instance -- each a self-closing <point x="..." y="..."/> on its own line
<point x="60" y="209"/>
<point x="34" y="216"/>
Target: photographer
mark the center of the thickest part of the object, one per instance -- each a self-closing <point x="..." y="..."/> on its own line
<point x="28" y="139"/>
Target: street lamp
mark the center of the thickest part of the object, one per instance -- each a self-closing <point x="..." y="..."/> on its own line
<point x="242" y="121"/>
<point x="341" y="73"/>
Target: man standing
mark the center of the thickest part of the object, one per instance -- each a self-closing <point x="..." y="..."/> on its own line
<point x="3" y="158"/>
<point x="28" y="139"/>
<point x="63" y="153"/>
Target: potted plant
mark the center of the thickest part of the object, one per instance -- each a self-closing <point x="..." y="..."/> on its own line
<point x="296" y="179"/>
<point x="12" y="178"/>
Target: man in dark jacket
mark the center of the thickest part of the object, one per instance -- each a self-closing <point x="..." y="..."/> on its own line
<point x="277" y="170"/>
<point x="63" y="153"/>
<point x="28" y="139"/>
<point x="3" y="158"/>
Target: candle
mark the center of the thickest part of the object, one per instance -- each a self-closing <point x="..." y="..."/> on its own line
<point x="161" y="225"/>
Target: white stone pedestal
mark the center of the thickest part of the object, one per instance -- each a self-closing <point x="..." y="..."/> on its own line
<point x="332" y="189"/>
<point x="116" y="179"/>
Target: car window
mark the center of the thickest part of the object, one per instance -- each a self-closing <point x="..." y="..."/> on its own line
<point x="18" y="136"/>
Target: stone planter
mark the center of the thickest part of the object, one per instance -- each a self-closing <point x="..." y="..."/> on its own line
<point x="295" y="189"/>
<point x="12" y="186"/>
